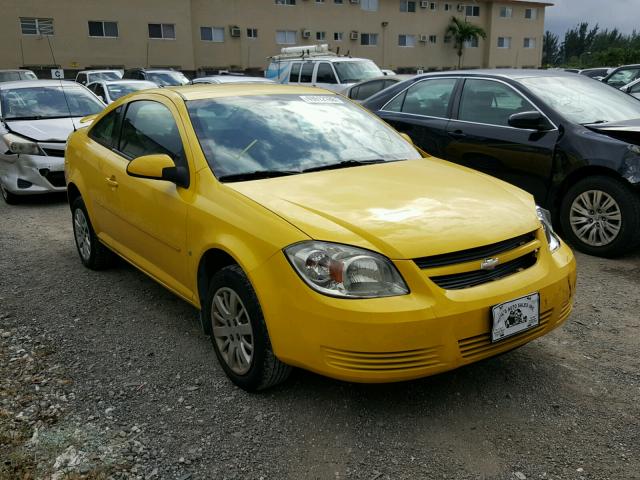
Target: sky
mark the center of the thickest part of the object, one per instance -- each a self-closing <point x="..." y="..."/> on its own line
<point x="565" y="14"/>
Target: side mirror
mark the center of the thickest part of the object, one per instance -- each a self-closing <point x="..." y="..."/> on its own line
<point x="158" y="167"/>
<point x="532" y="120"/>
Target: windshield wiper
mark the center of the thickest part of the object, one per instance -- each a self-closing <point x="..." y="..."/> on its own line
<point x="258" y="174"/>
<point x="594" y="123"/>
<point x="343" y="164"/>
<point x="37" y="117"/>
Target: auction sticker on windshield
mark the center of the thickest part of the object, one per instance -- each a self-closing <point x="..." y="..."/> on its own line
<point x="515" y="316"/>
<point x="320" y="99"/>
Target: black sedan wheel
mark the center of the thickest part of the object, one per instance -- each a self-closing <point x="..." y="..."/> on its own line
<point x="601" y="216"/>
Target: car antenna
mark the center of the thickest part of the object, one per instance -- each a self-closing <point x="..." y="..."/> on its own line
<point x="64" y="94"/>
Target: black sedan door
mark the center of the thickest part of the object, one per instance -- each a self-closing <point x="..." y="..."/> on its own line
<point x="481" y="138"/>
<point x="422" y="112"/>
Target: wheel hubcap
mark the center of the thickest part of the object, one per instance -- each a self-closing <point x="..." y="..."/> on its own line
<point x="81" y="231"/>
<point x="595" y="218"/>
<point x="232" y="330"/>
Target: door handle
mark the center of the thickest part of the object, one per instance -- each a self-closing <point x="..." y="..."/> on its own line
<point x="457" y="134"/>
<point x="111" y="181"/>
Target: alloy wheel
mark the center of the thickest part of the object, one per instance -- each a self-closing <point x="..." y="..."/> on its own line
<point x="82" y="233"/>
<point x="232" y="330"/>
<point x="596" y="218"/>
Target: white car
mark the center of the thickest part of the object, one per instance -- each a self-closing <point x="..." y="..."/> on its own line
<point x="317" y="66"/>
<point x="632" y="89"/>
<point x="230" y="79"/>
<point x="36" y="117"/>
<point x="111" y="90"/>
<point x="86" y="77"/>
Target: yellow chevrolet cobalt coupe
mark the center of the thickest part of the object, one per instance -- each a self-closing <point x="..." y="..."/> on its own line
<point x="310" y="234"/>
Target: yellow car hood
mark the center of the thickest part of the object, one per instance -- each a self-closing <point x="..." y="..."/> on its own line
<point x="404" y="209"/>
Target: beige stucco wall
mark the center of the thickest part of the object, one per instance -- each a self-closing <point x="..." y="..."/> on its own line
<point x="74" y="48"/>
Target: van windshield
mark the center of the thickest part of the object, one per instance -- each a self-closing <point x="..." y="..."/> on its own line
<point x="356" y="71"/>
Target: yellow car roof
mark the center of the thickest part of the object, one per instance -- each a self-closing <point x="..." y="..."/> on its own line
<point x="199" y="92"/>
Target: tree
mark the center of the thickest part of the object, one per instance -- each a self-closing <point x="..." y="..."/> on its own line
<point x="578" y="41"/>
<point x="462" y="32"/>
<point x="550" y="48"/>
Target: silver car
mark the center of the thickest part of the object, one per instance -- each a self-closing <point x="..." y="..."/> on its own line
<point x="632" y="88"/>
<point x="230" y="79"/>
<point x="36" y="117"/>
<point x="110" y="91"/>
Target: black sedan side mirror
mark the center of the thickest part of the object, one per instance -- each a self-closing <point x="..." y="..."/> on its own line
<point x="532" y="120"/>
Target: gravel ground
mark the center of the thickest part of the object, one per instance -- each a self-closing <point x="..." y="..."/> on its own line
<point x="107" y="375"/>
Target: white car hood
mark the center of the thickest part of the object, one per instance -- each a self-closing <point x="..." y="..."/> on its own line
<point x="47" y="130"/>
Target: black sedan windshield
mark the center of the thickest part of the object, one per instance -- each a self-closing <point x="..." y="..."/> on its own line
<point x="582" y="100"/>
<point x="48" y="102"/>
<point x="167" y="79"/>
<point x="291" y="133"/>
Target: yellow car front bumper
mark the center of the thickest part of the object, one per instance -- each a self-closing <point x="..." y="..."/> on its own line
<point x="428" y="331"/>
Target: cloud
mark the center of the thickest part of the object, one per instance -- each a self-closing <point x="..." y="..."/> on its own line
<point x="565" y="14"/>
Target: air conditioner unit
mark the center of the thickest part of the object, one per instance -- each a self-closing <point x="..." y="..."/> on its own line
<point x="306" y="33"/>
<point x="354" y="35"/>
<point x="460" y="7"/>
<point x="354" y="1"/>
<point x="234" y="31"/>
<point x="424" y="38"/>
<point x="424" y="3"/>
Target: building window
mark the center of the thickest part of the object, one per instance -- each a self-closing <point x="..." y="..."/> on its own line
<point x="103" y="29"/>
<point x="531" y="13"/>
<point x="320" y="35"/>
<point x="36" y="26"/>
<point x="506" y="12"/>
<point x="472" y="11"/>
<point x="286" y="37"/>
<point x="529" y="43"/>
<point x="368" y="39"/>
<point x="252" y="33"/>
<point x="433" y="38"/>
<point x="369" y="5"/>
<point x="212" y="34"/>
<point x="473" y="43"/>
<point x="407" y="40"/>
<point x="337" y="36"/>
<point x="319" y="1"/>
<point x="285" y="2"/>
<point x="407" y="6"/>
<point x="448" y="7"/>
<point x="339" y="2"/>
<point x="162" y="30"/>
<point x="433" y="6"/>
<point x="504" y="42"/>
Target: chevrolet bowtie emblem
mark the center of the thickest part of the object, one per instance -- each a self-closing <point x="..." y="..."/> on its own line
<point x="489" y="263"/>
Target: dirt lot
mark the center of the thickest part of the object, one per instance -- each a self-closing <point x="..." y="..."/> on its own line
<point x="108" y="375"/>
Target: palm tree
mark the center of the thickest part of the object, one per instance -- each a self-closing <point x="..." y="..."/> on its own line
<point x="462" y="32"/>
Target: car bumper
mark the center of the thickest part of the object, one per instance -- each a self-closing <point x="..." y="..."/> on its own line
<point x="428" y="331"/>
<point x="32" y="174"/>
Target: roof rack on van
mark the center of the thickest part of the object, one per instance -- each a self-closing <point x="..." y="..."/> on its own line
<point x="304" y="52"/>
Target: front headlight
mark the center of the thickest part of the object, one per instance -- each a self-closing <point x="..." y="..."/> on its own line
<point x="17" y="144"/>
<point x="545" y="218"/>
<point x="345" y="271"/>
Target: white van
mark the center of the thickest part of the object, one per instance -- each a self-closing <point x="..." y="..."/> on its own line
<point x="316" y="66"/>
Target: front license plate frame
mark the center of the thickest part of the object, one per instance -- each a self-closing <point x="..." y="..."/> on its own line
<point x="514" y="317"/>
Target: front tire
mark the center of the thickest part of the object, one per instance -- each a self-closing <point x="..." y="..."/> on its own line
<point x="601" y="216"/>
<point x="239" y="334"/>
<point x="93" y="254"/>
<point x="8" y="197"/>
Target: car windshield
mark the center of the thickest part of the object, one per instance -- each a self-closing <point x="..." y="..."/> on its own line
<point x="356" y="71"/>
<point x="9" y="76"/>
<point x="47" y="102"/>
<point x="581" y="100"/>
<point x="104" y="76"/>
<point x="117" y="90"/>
<point x="291" y="133"/>
<point x="167" y="79"/>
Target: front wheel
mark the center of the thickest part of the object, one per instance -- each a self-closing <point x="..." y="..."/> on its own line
<point x="601" y="216"/>
<point x="239" y="334"/>
<point x="93" y="254"/>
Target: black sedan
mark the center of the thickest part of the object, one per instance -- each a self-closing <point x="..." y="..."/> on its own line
<point x="571" y="142"/>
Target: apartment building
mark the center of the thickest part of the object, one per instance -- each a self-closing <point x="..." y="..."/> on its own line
<point x="207" y="35"/>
